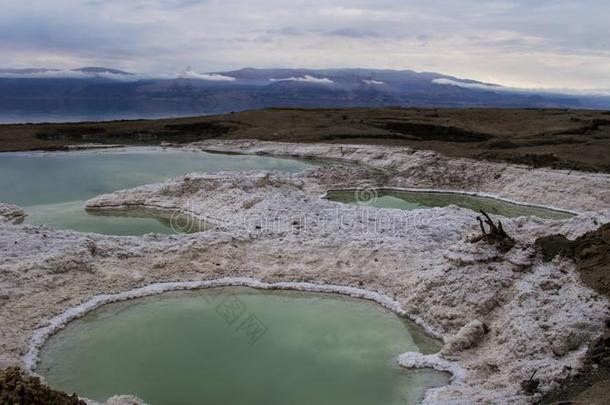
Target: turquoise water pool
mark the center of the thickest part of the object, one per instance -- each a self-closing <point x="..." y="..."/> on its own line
<point x="241" y="346"/>
<point x="53" y="187"/>
<point x="414" y="200"/>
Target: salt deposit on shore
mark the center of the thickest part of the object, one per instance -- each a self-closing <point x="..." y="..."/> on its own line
<point x="11" y="214"/>
<point x="502" y="315"/>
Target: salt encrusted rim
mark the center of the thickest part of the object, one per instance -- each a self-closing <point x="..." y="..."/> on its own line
<point x="458" y="192"/>
<point x="407" y="360"/>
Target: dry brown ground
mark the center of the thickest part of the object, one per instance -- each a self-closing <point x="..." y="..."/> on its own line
<point x="572" y="139"/>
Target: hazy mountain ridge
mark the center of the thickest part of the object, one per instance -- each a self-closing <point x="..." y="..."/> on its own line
<point x="250" y="88"/>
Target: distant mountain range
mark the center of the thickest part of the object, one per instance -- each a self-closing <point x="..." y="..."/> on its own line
<point x="83" y="91"/>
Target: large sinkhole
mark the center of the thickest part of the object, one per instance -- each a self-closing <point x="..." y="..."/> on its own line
<point x="241" y="346"/>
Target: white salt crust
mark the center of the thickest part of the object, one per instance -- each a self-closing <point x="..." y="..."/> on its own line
<point x="55" y="324"/>
<point x="539" y="315"/>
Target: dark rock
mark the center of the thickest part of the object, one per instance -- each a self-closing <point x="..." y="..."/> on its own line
<point x="18" y="388"/>
<point x="551" y="246"/>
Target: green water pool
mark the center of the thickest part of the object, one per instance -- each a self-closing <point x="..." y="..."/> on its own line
<point x="53" y="187"/>
<point x="241" y="346"/>
<point x="414" y="200"/>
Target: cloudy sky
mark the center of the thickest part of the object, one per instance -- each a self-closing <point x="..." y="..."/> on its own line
<point x="524" y="43"/>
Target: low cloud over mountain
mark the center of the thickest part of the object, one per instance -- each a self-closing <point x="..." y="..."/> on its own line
<point x="249" y="88"/>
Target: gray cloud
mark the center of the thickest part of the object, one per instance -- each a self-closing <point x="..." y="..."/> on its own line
<point x="353" y="33"/>
<point x="545" y="43"/>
